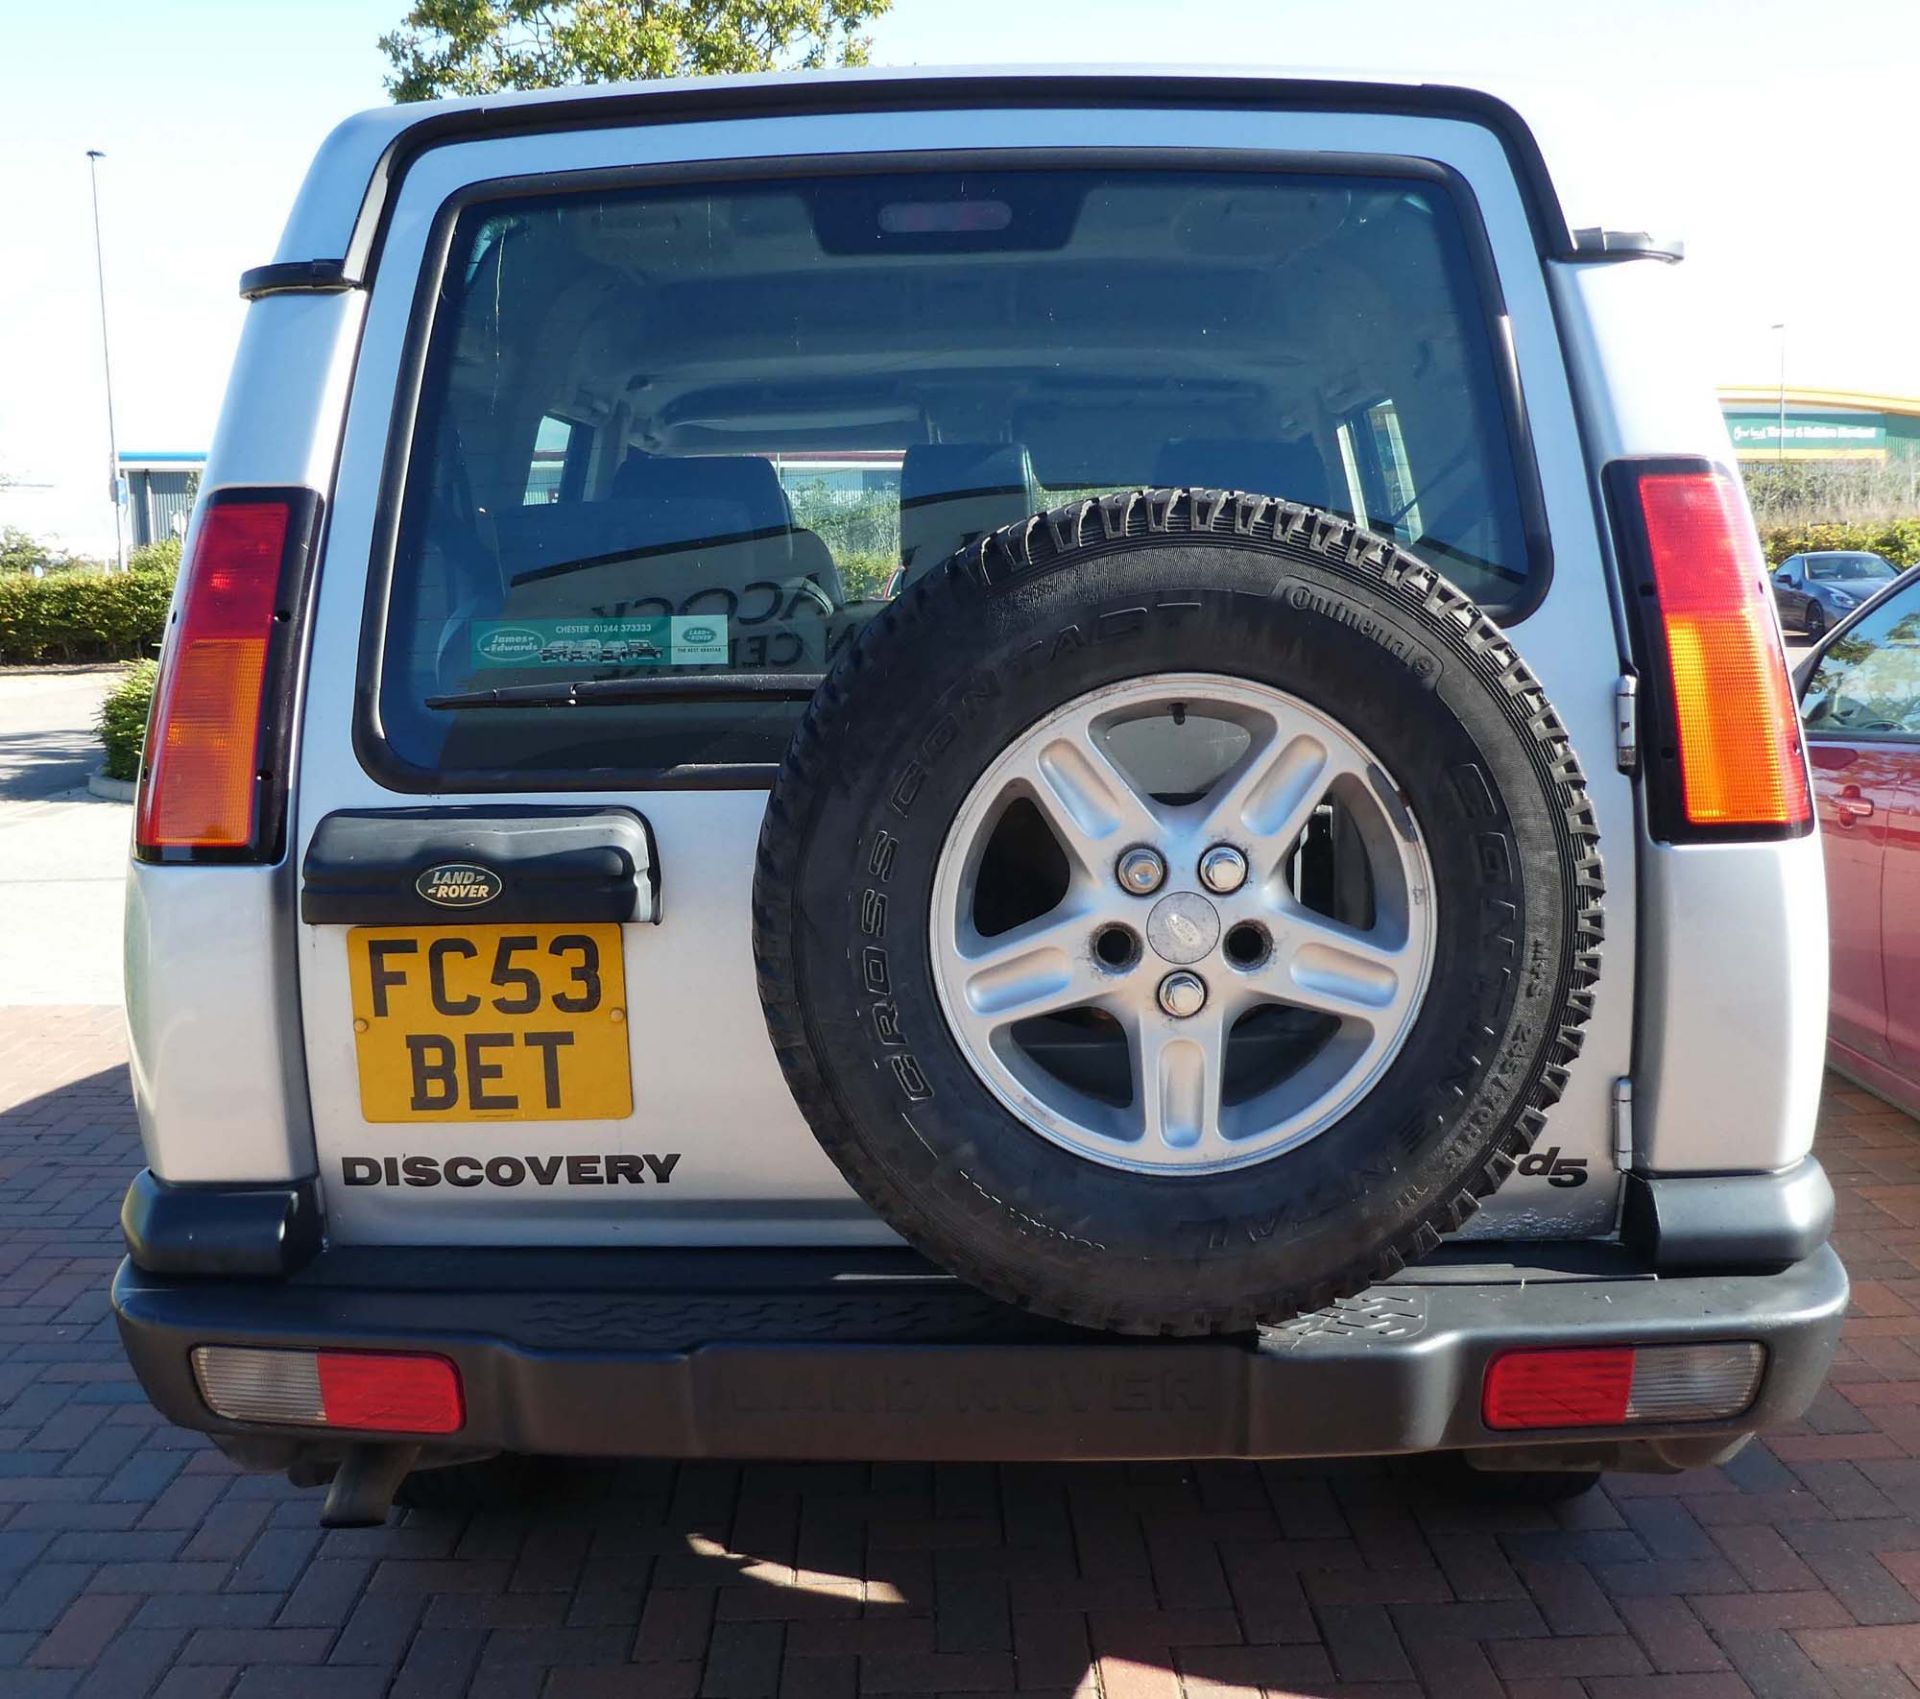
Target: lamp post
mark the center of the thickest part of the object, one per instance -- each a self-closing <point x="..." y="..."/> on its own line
<point x="94" y="156"/>
<point x="1780" y="442"/>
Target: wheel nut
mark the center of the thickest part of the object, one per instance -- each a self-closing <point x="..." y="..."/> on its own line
<point x="1223" y="868"/>
<point x="1183" y="994"/>
<point x="1141" y="870"/>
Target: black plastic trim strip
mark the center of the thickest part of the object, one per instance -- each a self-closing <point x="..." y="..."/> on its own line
<point x="1664" y="787"/>
<point x="260" y="1232"/>
<point x="624" y="692"/>
<point x="279" y="686"/>
<point x="1686" y="1222"/>
<point x="420" y="357"/>
<point x="296" y="277"/>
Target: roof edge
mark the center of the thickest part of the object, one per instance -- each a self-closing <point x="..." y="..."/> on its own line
<point x="339" y="214"/>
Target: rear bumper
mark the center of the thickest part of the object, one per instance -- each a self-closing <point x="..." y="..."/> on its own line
<point x="875" y="1355"/>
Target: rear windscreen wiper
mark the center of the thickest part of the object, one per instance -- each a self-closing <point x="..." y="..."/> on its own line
<point x="623" y="692"/>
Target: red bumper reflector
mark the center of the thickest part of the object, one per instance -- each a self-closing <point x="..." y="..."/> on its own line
<point x="1559" y="1389"/>
<point x="403" y="1395"/>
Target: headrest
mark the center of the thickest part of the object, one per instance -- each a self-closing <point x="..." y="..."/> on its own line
<point x="746" y="481"/>
<point x="939" y="471"/>
<point x="1262" y="466"/>
<point x="953" y="492"/>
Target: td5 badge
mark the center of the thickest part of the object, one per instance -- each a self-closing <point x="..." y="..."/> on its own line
<point x="1558" y="1170"/>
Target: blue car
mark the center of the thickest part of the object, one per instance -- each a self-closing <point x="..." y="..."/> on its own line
<point x="1816" y="590"/>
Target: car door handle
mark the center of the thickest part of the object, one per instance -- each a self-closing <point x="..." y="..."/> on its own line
<point x="1850" y="806"/>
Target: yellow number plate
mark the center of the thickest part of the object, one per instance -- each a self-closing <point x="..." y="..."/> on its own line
<point x="490" y="1023"/>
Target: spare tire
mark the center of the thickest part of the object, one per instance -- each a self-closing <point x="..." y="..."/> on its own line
<point x="1178" y="911"/>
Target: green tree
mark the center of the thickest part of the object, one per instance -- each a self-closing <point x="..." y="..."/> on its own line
<point x="483" y="46"/>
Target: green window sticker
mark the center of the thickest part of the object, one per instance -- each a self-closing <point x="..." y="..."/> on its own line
<point x="661" y="640"/>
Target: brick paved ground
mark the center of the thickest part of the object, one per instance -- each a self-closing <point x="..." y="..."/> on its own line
<point x="134" y="1560"/>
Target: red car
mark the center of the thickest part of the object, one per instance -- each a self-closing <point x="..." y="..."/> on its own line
<point x="1861" y="707"/>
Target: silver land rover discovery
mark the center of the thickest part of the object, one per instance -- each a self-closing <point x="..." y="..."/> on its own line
<point x="994" y="765"/>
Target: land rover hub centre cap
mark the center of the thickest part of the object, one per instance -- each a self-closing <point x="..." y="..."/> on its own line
<point x="1182" y="1027"/>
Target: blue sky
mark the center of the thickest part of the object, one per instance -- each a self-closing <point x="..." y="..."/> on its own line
<point x="1779" y="138"/>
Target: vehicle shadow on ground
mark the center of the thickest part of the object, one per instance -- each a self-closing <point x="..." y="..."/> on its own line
<point x="836" y="1578"/>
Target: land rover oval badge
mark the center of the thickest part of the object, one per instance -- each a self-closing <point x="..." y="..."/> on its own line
<point x="458" y="884"/>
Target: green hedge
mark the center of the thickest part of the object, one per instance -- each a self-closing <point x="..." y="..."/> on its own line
<point x="83" y="616"/>
<point x="163" y="556"/>
<point x="123" y="720"/>
<point x="1896" y="539"/>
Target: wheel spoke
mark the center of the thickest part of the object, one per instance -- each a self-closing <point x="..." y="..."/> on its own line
<point x="1267" y="797"/>
<point x="1035" y="969"/>
<point x="1088" y="799"/>
<point x="1177" y="1067"/>
<point x="1320" y="964"/>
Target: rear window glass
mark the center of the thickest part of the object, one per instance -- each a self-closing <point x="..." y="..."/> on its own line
<point x="1847" y="568"/>
<point x="685" y="439"/>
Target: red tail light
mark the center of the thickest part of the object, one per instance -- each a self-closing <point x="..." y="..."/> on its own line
<point x="1731" y="731"/>
<point x="213" y="771"/>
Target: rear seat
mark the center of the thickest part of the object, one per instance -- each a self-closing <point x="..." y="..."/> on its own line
<point x="708" y="534"/>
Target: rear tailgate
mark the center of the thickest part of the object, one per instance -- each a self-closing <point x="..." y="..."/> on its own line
<point x="500" y="1054"/>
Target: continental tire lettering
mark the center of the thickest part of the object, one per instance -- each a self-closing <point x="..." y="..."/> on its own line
<point x="910" y="1077"/>
<point x="939" y="739"/>
<point x="873" y="913"/>
<point x="886" y="1023"/>
<point x="977" y="693"/>
<point x="508" y="1172"/>
<point x="880" y="858"/>
<point x="1475" y="793"/>
<point x="1122" y="622"/>
<point x="1119" y="625"/>
<point x="1494" y="855"/>
<point x="906" y="789"/>
<point x="873" y="971"/>
<point x="1310" y="598"/>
